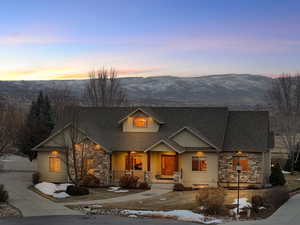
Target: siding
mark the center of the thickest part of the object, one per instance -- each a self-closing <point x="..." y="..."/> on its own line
<point x="187" y="139"/>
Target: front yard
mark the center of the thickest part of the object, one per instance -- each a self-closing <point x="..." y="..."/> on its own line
<point x="293" y="181"/>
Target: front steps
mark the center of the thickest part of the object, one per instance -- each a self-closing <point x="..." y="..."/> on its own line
<point x="162" y="185"/>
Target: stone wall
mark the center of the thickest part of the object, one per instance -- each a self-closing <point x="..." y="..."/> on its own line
<point x="100" y="163"/>
<point x="228" y="176"/>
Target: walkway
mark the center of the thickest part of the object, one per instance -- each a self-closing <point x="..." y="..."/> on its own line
<point x="288" y="214"/>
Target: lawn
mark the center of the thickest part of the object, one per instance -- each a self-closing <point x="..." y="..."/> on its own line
<point x="169" y="201"/>
<point x="293" y="181"/>
<point x="95" y="194"/>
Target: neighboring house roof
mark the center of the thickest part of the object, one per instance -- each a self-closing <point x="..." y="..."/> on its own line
<point x="217" y="126"/>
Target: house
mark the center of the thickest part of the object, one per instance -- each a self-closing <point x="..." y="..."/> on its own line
<point x="195" y="146"/>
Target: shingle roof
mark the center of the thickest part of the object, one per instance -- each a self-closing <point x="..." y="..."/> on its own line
<point x="218" y="125"/>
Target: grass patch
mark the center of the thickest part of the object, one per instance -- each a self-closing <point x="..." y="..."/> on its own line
<point x="95" y="194"/>
<point x="170" y="201"/>
<point x="291" y="181"/>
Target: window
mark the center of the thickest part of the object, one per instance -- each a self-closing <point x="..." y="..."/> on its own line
<point x="90" y="164"/>
<point x="243" y="162"/>
<point x="140" y="121"/>
<point x="199" y="163"/>
<point x="54" y="162"/>
<point x="134" y="162"/>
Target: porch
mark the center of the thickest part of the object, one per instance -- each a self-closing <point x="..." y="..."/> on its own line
<point x="152" y="167"/>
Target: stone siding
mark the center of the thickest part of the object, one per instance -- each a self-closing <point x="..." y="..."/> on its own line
<point x="228" y="176"/>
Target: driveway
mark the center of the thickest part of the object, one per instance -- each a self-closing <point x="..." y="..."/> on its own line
<point x="29" y="203"/>
<point x="84" y="220"/>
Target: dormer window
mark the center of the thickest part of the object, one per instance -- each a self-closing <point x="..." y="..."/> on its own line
<point x="141" y="122"/>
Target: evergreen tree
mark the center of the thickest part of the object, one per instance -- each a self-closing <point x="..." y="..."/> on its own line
<point x="277" y="177"/>
<point x="38" y="125"/>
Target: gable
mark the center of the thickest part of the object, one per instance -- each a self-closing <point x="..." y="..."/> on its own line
<point x="187" y="139"/>
<point x="162" y="147"/>
<point x="129" y="123"/>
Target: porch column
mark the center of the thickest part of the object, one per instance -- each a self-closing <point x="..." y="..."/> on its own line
<point x="148" y="161"/>
<point x="176" y="161"/>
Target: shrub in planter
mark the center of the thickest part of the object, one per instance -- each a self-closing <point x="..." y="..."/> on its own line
<point x="277" y="177"/>
<point x="90" y="181"/>
<point x="178" y="187"/>
<point x="211" y="199"/>
<point x="35" y="178"/>
<point x="257" y="201"/>
<point x="3" y="194"/>
<point x="76" y="191"/>
<point x="128" y="181"/>
<point x="144" y="186"/>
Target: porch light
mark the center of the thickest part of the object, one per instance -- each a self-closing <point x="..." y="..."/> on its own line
<point x="200" y="153"/>
<point x="97" y="147"/>
<point x="54" y="153"/>
<point x="132" y="152"/>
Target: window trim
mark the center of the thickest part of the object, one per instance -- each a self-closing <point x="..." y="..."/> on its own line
<point x="200" y="158"/>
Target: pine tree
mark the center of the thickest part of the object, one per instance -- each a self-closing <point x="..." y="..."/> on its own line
<point x="37" y="127"/>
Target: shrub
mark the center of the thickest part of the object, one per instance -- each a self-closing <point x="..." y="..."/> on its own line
<point x="90" y="181"/>
<point x="129" y="181"/>
<point x="35" y="178"/>
<point x="178" y="187"/>
<point x="144" y="186"/>
<point x="257" y="201"/>
<point x="277" y="177"/>
<point x="211" y="199"/>
<point x="76" y="191"/>
<point x="3" y="194"/>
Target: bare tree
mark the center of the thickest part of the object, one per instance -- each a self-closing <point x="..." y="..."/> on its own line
<point x="284" y="97"/>
<point x="104" y="89"/>
<point x="76" y="146"/>
<point x="11" y="120"/>
<point x="61" y="98"/>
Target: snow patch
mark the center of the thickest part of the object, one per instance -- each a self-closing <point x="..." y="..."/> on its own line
<point x="55" y="190"/>
<point x="243" y="204"/>
<point x="285" y="172"/>
<point x="117" y="190"/>
<point x="182" y="215"/>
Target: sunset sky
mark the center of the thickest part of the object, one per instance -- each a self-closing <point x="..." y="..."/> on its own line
<point x="64" y="39"/>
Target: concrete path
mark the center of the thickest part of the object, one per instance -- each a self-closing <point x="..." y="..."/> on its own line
<point x="288" y="214"/>
<point x="28" y="202"/>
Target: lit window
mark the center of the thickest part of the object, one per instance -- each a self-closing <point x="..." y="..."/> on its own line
<point x="90" y="166"/>
<point x="54" y="162"/>
<point x="134" y="162"/>
<point x="140" y="122"/>
<point x="243" y="163"/>
<point x="199" y="163"/>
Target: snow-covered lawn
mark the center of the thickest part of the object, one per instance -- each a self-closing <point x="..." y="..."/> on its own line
<point x="183" y="215"/>
<point x="243" y="204"/>
<point x="285" y="172"/>
<point x="54" y="190"/>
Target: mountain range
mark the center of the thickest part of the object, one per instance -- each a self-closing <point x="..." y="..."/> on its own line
<point x="227" y="89"/>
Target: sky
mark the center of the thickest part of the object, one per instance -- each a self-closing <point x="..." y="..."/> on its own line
<point x="65" y="39"/>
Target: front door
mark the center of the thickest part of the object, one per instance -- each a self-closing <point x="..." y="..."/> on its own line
<point x="168" y="164"/>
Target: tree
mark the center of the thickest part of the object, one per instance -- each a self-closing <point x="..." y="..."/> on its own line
<point x="37" y="127"/>
<point x="104" y="89"/>
<point x="277" y="177"/>
<point x="11" y="120"/>
<point x="60" y="99"/>
<point x="76" y="146"/>
<point x="284" y="99"/>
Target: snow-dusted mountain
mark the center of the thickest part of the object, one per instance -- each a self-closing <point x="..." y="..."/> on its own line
<point x="229" y="89"/>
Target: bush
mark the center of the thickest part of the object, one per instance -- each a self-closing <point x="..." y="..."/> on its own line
<point x="76" y="191"/>
<point x="90" y="181"/>
<point x="144" y="186"/>
<point x="129" y="181"/>
<point x="277" y="177"/>
<point x="178" y="187"/>
<point x="35" y="178"/>
<point x="3" y="194"/>
<point x="211" y="199"/>
<point x="257" y="201"/>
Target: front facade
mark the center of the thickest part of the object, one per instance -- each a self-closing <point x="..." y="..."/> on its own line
<point x="198" y="147"/>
